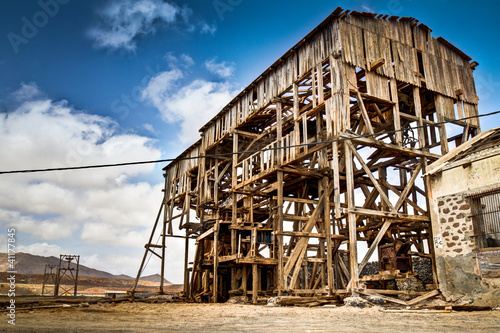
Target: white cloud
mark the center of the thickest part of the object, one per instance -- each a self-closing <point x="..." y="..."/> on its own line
<point x="367" y="8"/>
<point x="150" y="128"/>
<point x="42" y="134"/>
<point x="39" y="229"/>
<point x="27" y="91"/>
<point x="191" y="104"/>
<point x="94" y="233"/>
<point x="113" y="263"/>
<point x="223" y="69"/>
<point x="121" y="23"/>
<point x="111" y="205"/>
<point x="207" y="28"/>
<point x="42" y="249"/>
<point x="183" y="61"/>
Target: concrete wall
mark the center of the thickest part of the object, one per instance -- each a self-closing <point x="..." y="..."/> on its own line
<point x="459" y="274"/>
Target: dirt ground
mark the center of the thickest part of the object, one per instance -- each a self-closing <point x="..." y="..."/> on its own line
<point x="188" y="317"/>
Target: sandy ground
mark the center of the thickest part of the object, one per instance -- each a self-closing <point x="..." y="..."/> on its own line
<point x="183" y="317"/>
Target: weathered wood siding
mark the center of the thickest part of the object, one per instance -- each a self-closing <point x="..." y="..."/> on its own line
<point x="360" y="41"/>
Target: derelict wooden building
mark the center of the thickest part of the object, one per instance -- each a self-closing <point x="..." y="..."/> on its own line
<point x="323" y="153"/>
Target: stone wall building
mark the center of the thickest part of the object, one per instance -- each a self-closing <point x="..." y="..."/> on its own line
<point x="464" y="196"/>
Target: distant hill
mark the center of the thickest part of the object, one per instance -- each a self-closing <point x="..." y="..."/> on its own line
<point x="155" y="278"/>
<point x="32" y="264"/>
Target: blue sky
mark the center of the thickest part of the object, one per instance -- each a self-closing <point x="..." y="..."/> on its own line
<point x="86" y="82"/>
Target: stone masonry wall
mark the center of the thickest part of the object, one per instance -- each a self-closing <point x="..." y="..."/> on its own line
<point x="455" y="225"/>
<point x="458" y="274"/>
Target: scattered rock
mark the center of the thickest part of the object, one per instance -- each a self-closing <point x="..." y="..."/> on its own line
<point x="276" y="301"/>
<point x="355" y="301"/>
<point x="375" y="299"/>
<point x="238" y="300"/>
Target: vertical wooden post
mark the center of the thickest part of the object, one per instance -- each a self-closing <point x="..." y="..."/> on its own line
<point x="234" y="206"/>
<point x="433" y="229"/>
<point x="244" y="277"/>
<point x="255" y="283"/>
<point x="314" y="87"/>
<point x="443" y="138"/>
<point x="280" y="233"/>
<point x="186" y="271"/>
<point x="163" y="241"/>
<point x="395" y="111"/>
<point x="327" y="231"/>
<point x="336" y="183"/>
<point x="418" y="112"/>
<point x="403" y="180"/>
<point x="382" y="175"/>
<point x="215" y="284"/>
<point x="319" y="69"/>
<point x="201" y="174"/>
<point x="251" y="210"/>
<point x="279" y="131"/>
<point x="296" y="107"/>
<point x="216" y="179"/>
<point x="353" y="249"/>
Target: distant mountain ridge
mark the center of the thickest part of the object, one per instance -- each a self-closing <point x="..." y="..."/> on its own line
<point x="27" y="263"/>
<point x="154" y="278"/>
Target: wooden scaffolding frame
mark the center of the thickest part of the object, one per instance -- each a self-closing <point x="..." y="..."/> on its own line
<point x="324" y="151"/>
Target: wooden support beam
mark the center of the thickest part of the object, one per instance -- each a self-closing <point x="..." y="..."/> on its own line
<point x="314" y="87"/>
<point x="374" y="245"/>
<point x="246" y="134"/>
<point x="407" y="200"/>
<point x="422" y="298"/>
<point x="418" y="113"/>
<point x="205" y="234"/>
<point x="281" y="276"/>
<point x="255" y="283"/>
<point x="215" y="282"/>
<point x="395" y="112"/>
<point x="364" y="113"/>
<point x="376" y="64"/>
<point x="244" y="279"/>
<point x="440" y="113"/>
<point x="386" y="298"/>
<point x="408" y="187"/>
<point x="186" y="262"/>
<point x="405" y="151"/>
<point x="370" y="175"/>
<point x="351" y="217"/>
<point x="390" y="215"/>
<point x="328" y="231"/>
<point x="321" y="95"/>
<point x="299" y="249"/>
